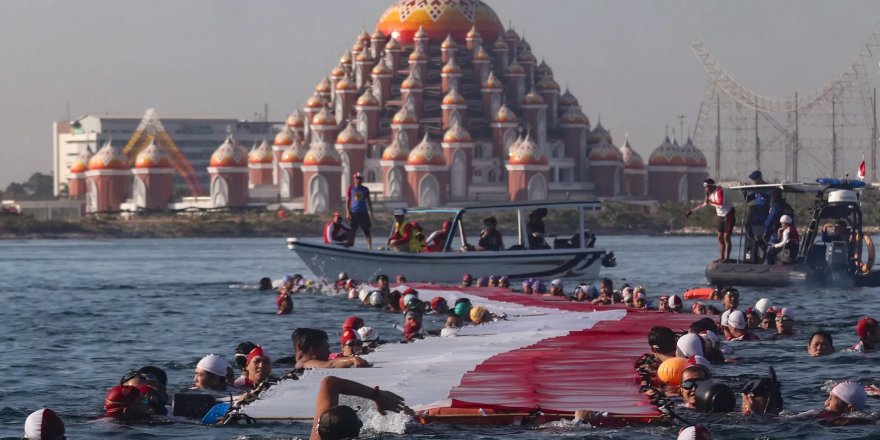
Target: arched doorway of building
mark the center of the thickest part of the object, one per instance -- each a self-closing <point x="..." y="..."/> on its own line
<point x="537" y="187"/>
<point x="140" y="193"/>
<point x="318" y="194"/>
<point x="682" y="189"/>
<point x="219" y="192"/>
<point x="429" y="192"/>
<point x="91" y="196"/>
<point x="458" y="173"/>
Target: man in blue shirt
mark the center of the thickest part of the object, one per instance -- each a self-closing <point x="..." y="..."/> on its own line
<point x="359" y="209"/>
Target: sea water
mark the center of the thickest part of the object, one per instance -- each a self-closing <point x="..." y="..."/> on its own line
<point x="77" y="314"/>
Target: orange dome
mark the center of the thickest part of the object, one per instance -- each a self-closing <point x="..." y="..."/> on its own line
<point x="294" y="153"/>
<point x="515" y="69"/>
<point x="81" y="162"/>
<point x="417" y="56"/>
<point x="568" y="100"/>
<point x="511" y="35"/>
<point x="152" y="157"/>
<point x="547" y="83"/>
<point x="439" y="19"/>
<point x="284" y="137"/>
<point x="500" y="44"/>
<point x="261" y="154"/>
<point x="364" y="57"/>
<point x="367" y="99"/>
<point x="526" y="57"/>
<point x="533" y="98"/>
<point x="631" y="159"/>
<point x="229" y="154"/>
<point x="324" y="117"/>
<point x="338" y="71"/>
<point x="377" y="35"/>
<point x="667" y="154"/>
<point x="404" y="116"/>
<point x="544" y="70"/>
<point x="454" y="98"/>
<point x="492" y="82"/>
<point x="693" y="156"/>
<point x="473" y="33"/>
<point x="482" y="55"/>
<point x="109" y="158"/>
<point x="395" y="151"/>
<point x="605" y="151"/>
<point x="426" y="153"/>
<point x="324" y="86"/>
<point x="392" y="45"/>
<point x="456" y="134"/>
<point x="574" y="116"/>
<point x="381" y="68"/>
<point x="599" y="134"/>
<point x="505" y="114"/>
<point x="296" y="119"/>
<point x="346" y="83"/>
<point x="448" y="43"/>
<point x="451" y="68"/>
<point x="358" y="47"/>
<point x="364" y="36"/>
<point x="350" y="136"/>
<point x="411" y="82"/>
<point x="527" y="152"/>
<point x="316" y="101"/>
<point x="322" y="153"/>
<point x="345" y="58"/>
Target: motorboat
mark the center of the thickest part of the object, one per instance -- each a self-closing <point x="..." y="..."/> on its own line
<point x="832" y="249"/>
<point x="571" y="256"/>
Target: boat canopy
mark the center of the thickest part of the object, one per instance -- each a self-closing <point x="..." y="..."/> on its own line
<point x="821" y="185"/>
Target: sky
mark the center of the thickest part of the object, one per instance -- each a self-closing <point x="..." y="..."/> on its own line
<point x="629" y="62"/>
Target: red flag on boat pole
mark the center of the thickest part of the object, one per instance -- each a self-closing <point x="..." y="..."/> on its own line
<point x="862" y="169"/>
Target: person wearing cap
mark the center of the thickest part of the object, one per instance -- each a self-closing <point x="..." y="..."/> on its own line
<point x="737" y="328"/>
<point x="538" y="287"/>
<point x="212" y="373"/>
<point x="315" y="353"/>
<point x="758" y="208"/>
<point x="785" y="322"/>
<point x="585" y="292"/>
<point x="762" y="396"/>
<point x="726" y="216"/>
<point x="820" y="344"/>
<point x="504" y="282"/>
<point x="606" y="292"/>
<point x="675" y="304"/>
<point x="730" y="301"/>
<point x="126" y="402"/>
<point x="467" y="280"/>
<point x="436" y="242"/>
<point x="334" y="421"/>
<point x="640" y="300"/>
<point x="439" y="306"/>
<point x="626" y="294"/>
<point x="402" y="233"/>
<point x="351" y="343"/>
<point x="369" y="338"/>
<point x="44" y="424"/>
<point x="845" y="397"/>
<point x="535" y="229"/>
<point x="480" y="315"/>
<point x="663" y="304"/>
<point x="284" y="302"/>
<point x="258" y="367"/>
<point x="555" y="288"/>
<point x="786" y="236"/>
<point x="490" y="237"/>
<point x="527" y="287"/>
<point x="869" y="335"/>
<point x="453" y="321"/>
<point x="359" y="208"/>
<point x="696" y="370"/>
<point x="412" y="326"/>
<point x="335" y="232"/>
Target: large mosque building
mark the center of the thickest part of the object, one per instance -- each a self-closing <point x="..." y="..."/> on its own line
<point x="440" y="105"/>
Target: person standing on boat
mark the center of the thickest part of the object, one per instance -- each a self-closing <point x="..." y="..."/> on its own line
<point x="402" y="233"/>
<point x="490" y="238"/>
<point x="759" y="208"/>
<point x="337" y="233"/>
<point x="359" y="209"/>
<point x="726" y="216"/>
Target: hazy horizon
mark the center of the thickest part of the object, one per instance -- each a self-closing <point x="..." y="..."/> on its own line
<point x="628" y="61"/>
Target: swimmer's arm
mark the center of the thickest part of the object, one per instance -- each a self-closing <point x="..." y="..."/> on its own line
<point x="332" y="387"/>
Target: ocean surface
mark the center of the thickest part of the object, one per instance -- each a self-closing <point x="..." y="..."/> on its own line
<point x="78" y="314"/>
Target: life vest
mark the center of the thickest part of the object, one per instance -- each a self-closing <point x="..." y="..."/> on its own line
<point x="793" y="236"/>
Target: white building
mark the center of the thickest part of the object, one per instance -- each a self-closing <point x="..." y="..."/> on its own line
<point x="197" y="138"/>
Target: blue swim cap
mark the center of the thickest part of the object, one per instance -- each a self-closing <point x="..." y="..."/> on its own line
<point x="463" y="310"/>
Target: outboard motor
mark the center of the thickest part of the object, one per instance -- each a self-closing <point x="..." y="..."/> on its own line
<point x="836" y="257"/>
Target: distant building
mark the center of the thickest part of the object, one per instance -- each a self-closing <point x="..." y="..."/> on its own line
<point x="197" y="138"/>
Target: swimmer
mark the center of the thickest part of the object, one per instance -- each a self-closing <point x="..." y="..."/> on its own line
<point x="334" y="421"/>
<point x="351" y="343"/>
<point x="627" y="294"/>
<point x="695" y="432"/>
<point x="504" y="282"/>
<point x="369" y="339"/>
<point x="753" y="319"/>
<point x="527" y="287"/>
<point x="315" y="353"/>
<point x="730" y="300"/>
<point x="869" y="335"/>
<point x="483" y="282"/>
<point x="640" y="300"/>
<point x="400" y="278"/>
<point x="585" y="292"/>
<point x="845" y="397"/>
<point x="439" y="306"/>
<point x="212" y="373"/>
<point x="265" y="284"/>
<point x="382" y="283"/>
<point x="556" y="287"/>
<point x="43" y="424"/>
<point x="467" y="280"/>
<point x="821" y="344"/>
<point x="762" y="396"/>
<point x="768" y="319"/>
<point x="493" y="280"/>
<point x="240" y="359"/>
<point x="696" y="370"/>
<point x="785" y="322"/>
<point x="412" y="327"/>
<point x="689" y="345"/>
<point x="663" y="304"/>
<point x="699" y="308"/>
<point x="352" y="323"/>
<point x="662" y="342"/>
<point x="480" y="315"/>
<point x="736" y="328"/>
<point x="675" y="304"/>
<point x="126" y="402"/>
<point x="462" y="308"/>
<point x="285" y="303"/>
<point x="258" y="367"/>
<point x="606" y="292"/>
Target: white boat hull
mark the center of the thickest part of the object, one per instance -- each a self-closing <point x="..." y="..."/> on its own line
<point x="447" y="267"/>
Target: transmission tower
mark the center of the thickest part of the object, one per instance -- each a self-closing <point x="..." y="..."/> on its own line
<point x="793" y="139"/>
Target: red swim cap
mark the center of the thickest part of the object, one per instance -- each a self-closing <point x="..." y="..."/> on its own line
<point x="865" y="325"/>
<point x="119" y="398"/>
<point x="348" y="335"/>
<point x="254" y="353"/>
<point x="353" y="323"/>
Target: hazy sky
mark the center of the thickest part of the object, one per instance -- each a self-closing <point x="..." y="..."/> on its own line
<point x="629" y="61"/>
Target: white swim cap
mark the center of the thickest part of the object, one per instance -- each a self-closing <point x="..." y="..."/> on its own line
<point x="215" y="364"/>
<point x="674" y="302"/>
<point x="785" y="219"/>
<point x="689" y="345"/>
<point x="786" y="312"/>
<point x="762" y="305"/>
<point x="851" y="393"/>
<point x="367" y="334"/>
<point x="448" y="332"/>
<point x="737" y="320"/>
<point x="43" y="424"/>
<point x="376" y="298"/>
<point x="694" y="433"/>
<point x="353" y="293"/>
<point x="362" y="294"/>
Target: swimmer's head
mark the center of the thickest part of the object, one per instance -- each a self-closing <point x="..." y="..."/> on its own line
<point x="339" y="422"/>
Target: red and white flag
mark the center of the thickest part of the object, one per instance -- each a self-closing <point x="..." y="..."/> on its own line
<point x="862" y="169"/>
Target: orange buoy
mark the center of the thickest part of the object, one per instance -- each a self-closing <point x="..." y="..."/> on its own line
<point x="670" y="371"/>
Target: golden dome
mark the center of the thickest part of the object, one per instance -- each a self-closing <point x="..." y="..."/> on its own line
<point x="527" y="152"/>
<point x="515" y="69"/>
<point x="426" y="152"/>
<point x="367" y="99"/>
<point x="109" y="158"/>
<point x="451" y="68"/>
<point x="322" y="153"/>
<point x="392" y="45"/>
<point x="544" y="70"/>
<point x="229" y="154"/>
<point x="574" y="117"/>
<point x="381" y="68"/>
<point x="358" y="47"/>
<point x="316" y="101"/>
<point x="261" y="154"/>
<point x="456" y="134"/>
<point x="533" y="98"/>
<point x="547" y="83"/>
<point x="81" y="162"/>
<point x="605" y="151"/>
<point x="526" y="57"/>
<point x="473" y="33"/>
<point x="448" y="43"/>
<point x="296" y="119"/>
<point x="338" y="71"/>
<point x="284" y="137"/>
<point x="417" y="56"/>
<point x="404" y="116"/>
<point x="324" y="117"/>
<point x="294" y="153"/>
<point x="364" y="36"/>
<point x="693" y="156"/>
<point x="436" y="19"/>
<point x="152" y="157"/>
<point x="364" y="57"/>
<point x="454" y="98"/>
<point x="345" y="58"/>
<point x="505" y="114"/>
<point x="492" y="82"/>
<point x="350" y="136"/>
<point x="346" y="83"/>
<point x="482" y="55"/>
<point x="377" y="35"/>
<point x="631" y="159"/>
<point x="568" y="100"/>
<point x="324" y="86"/>
<point x="411" y="82"/>
<point x="667" y="154"/>
<point x="500" y="44"/>
<point x="395" y="151"/>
